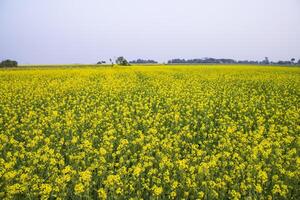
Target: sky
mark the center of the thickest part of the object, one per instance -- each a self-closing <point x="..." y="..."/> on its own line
<point x="86" y="31"/>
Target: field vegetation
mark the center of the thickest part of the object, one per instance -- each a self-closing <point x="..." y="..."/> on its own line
<point x="156" y="132"/>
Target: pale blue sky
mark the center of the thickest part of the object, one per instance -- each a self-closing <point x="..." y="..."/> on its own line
<point x="84" y="31"/>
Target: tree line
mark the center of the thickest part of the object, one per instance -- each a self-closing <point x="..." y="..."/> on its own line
<point x="142" y="61"/>
<point x="231" y="61"/>
<point x="121" y="60"/>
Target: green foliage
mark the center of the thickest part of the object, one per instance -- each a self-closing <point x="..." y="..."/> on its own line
<point x="122" y="61"/>
<point x="8" y="63"/>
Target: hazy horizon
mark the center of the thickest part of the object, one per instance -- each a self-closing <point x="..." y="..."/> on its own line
<point x="77" y="31"/>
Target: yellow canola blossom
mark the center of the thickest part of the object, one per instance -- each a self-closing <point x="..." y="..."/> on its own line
<point x="150" y="132"/>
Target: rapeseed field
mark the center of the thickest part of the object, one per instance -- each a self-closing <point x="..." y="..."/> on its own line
<point x="159" y="132"/>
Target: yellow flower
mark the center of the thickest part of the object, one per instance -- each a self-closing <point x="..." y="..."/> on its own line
<point x="111" y="180"/>
<point x="85" y="177"/>
<point x="79" y="188"/>
<point x="263" y="176"/>
<point x="157" y="190"/>
<point x="45" y="191"/>
<point x="235" y="195"/>
<point x="102" y="151"/>
<point x="173" y="194"/>
<point x="258" y="188"/>
<point x="200" y="195"/>
<point x="15" y="189"/>
<point x="137" y="170"/>
<point x="176" y="116"/>
<point x="102" y="193"/>
<point x="174" y="185"/>
<point x="74" y="139"/>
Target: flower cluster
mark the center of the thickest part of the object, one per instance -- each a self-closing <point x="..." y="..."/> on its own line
<point x="209" y="132"/>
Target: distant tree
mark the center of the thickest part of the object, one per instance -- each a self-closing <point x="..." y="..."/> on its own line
<point x="223" y="60"/>
<point x="293" y="60"/>
<point x="112" y="62"/>
<point x="9" y="63"/>
<point x="141" y="61"/>
<point x="122" y="61"/>
<point x="265" y="61"/>
<point x="284" y="62"/>
<point x="101" y="62"/>
<point x="299" y="61"/>
<point x="200" y="61"/>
